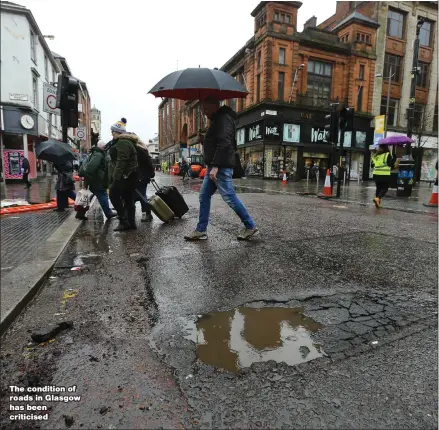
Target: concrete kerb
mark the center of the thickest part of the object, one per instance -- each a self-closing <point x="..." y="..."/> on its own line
<point x="27" y="279"/>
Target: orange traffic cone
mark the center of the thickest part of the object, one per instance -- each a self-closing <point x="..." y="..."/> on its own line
<point x="434" y="197"/>
<point x="327" y="189"/>
<point x="284" y="178"/>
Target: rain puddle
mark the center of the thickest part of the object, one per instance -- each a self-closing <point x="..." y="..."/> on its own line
<point x="238" y="338"/>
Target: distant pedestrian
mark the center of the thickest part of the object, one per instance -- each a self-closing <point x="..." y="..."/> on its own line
<point x="65" y="185"/>
<point x="382" y="164"/>
<point x="26" y="170"/>
<point x="184" y="167"/>
<point x="95" y="173"/>
<point x="219" y="155"/>
<point x="124" y="176"/>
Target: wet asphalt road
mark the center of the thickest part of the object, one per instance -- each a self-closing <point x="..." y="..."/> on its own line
<point x="165" y="332"/>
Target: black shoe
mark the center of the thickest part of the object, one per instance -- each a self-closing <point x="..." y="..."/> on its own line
<point x="122" y="227"/>
<point x="113" y="215"/>
<point x="58" y="210"/>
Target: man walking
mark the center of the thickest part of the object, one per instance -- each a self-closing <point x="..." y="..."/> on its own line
<point x="26" y="170"/>
<point x="219" y="155"/>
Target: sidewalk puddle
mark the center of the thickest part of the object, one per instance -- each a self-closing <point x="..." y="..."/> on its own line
<point x="238" y="338"/>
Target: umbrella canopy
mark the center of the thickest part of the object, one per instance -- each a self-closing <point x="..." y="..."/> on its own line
<point x="55" y="151"/>
<point x="199" y="84"/>
<point x="395" y="140"/>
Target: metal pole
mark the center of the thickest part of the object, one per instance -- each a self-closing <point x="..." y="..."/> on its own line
<point x="414" y="75"/>
<point x="340" y="167"/>
<point x="388" y="101"/>
<point x="2" y="146"/>
<point x="64" y="127"/>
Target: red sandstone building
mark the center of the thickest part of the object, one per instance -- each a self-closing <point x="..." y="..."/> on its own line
<point x="292" y="78"/>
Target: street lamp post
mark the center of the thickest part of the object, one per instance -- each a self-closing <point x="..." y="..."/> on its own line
<point x="380" y="75"/>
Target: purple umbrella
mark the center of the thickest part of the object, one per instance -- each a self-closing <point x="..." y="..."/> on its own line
<point x="395" y="140"/>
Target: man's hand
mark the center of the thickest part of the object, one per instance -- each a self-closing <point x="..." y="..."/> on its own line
<point x="213" y="172"/>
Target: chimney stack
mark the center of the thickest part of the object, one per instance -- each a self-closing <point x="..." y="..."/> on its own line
<point x="312" y="23"/>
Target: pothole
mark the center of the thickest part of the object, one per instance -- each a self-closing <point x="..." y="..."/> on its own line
<point x="236" y="339"/>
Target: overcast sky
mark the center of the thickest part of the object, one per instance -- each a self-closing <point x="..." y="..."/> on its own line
<point x="122" y="48"/>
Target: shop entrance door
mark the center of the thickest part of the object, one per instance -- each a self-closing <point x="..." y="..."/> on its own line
<point x="315" y="167"/>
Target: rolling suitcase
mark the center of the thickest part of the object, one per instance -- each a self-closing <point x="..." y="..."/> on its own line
<point x="160" y="209"/>
<point x="172" y="197"/>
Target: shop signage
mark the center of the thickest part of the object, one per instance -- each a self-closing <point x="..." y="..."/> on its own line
<point x="272" y="131"/>
<point x="379" y="128"/>
<point x="360" y="139"/>
<point x="19" y="97"/>
<point x="306" y="115"/>
<point x="271" y="112"/>
<point x="318" y="135"/>
<point x="240" y="136"/>
<point x="255" y="132"/>
<point x="291" y="133"/>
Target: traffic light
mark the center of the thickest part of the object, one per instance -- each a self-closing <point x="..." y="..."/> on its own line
<point x="331" y="131"/>
<point x="346" y="121"/>
<point x="67" y="99"/>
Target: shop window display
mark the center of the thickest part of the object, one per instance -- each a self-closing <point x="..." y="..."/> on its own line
<point x="274" y="162"/>
<point x="254" y="162"/>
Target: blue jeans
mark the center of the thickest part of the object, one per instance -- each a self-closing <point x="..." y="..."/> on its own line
<point x="225" y="187"/>
<point x="103" y="200"/>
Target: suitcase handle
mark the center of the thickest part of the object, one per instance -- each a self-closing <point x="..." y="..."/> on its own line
<point x="154" y="183"/>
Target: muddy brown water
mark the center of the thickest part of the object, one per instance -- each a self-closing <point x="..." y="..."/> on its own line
<point x="235" y="339"/>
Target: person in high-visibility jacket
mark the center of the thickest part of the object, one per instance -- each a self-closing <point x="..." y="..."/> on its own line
<point x="382" y="163"/>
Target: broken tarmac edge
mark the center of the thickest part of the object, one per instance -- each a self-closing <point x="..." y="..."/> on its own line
<point x="25" y="281"/>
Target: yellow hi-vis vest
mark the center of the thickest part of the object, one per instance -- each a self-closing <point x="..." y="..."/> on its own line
<point x="380" y="164"/>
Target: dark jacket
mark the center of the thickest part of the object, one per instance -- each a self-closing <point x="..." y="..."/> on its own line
<point x="65" y="180"/>
<point x="25" y="165"/>
<point x="97" y="166"/>
<point x="123" y="156"/>
<point x="219" y="142"/>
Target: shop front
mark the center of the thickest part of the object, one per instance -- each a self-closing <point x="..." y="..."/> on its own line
<point x="18" y="136"/>
<point x="274" y="138"/>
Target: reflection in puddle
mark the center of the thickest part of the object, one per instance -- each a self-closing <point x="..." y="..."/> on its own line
<point x="236" y="339"/>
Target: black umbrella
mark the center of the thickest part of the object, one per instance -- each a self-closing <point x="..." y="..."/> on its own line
<point x="199" y="84"/>
<point x="55" y="151"/>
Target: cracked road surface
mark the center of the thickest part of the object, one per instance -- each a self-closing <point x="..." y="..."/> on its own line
<point x="151" y="313"/>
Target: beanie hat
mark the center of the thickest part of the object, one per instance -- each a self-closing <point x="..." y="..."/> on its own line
<point x="120" y="126"/>
<point x="101" y="145"/>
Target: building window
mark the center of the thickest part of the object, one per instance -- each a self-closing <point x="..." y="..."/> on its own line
<point x="393" y="110"/>
<point x="35" y="91"/>
<point x="422" y="77"/>
<point x="259" y="59"/>
<point x="418" y="114"/>
<point x="282" y="17"/>
<point x="360" y="99"/>
<point x="319" y="79"/>
<point x="33" y="47"/>
<point x="345" y="38"/>
<point x="258" y="88"/>
<point x="46" y="68"/>
<point x="361" y="75"/>
<point x="280" y="86"/>
<point x="435" y="119"/>
<point x="425" y="34"/>
<point x="395" y="62"/>
<point x="281" y="55"/>
<point x="261" y="21"/>
<point x="233" y="104"/>
<point x="395" y="24"/>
